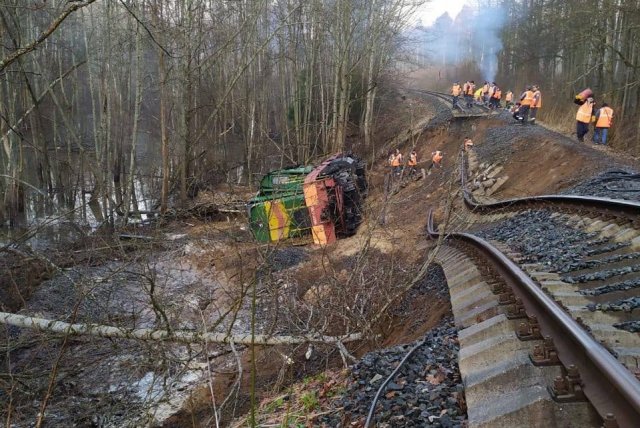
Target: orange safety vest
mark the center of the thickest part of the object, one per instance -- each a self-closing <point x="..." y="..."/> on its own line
<point x="456" y="90"/>
<point x="497" y="94"/>
<point x="584" y="113"/>
<point x="509" y="97"/>
<point x="396" y="160"/>
<point x="437" y="157"/>
<point x="605" y="117"/>
<point x="413" y="159"/>
<point x="470" y="89"/>
<point x="537" y="99"/>
<point x="527" y="99"/>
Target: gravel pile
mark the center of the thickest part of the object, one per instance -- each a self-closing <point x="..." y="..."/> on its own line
<point x="632" y="326"/>
<point x="426" y="392"/>
<point x="600" y="275"/>
<point x="434" y="284"/>
<point x="590" y="264"/>
<point x="625" y="305"/>
<point x="615" y="184"/>
<point x="443" y="112"/>
<point x="499" y="139"/>
<point x="629" y="284"/>
<point x="285" y="258"/>
<point x="545" y="240"/>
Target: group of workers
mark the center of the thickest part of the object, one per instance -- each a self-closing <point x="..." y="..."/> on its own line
<point x="602" y="118"/>
<point x="396" y="162"/>
<point x="525" y="109"/>
<point x="489" y="94"/>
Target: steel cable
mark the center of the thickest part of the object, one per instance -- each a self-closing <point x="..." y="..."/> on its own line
<point x="388" y="379"/>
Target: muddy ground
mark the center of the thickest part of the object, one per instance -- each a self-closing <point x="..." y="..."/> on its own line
<point x="194" y="274"/>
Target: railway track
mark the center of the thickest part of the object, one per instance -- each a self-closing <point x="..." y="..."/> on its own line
<point x="551" y="340"/>
<point x="478" y="110"/>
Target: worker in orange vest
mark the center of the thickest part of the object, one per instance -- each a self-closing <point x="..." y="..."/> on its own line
<point x="496" y="96"/>
<point x="583" y="119"/>
<point x="536" y="103"/>
<point x="525" y="104"/>
<point x="456" y="91"/>
<point x="412" y="163"/>
<point x="508" y="99"/>
<point x="604" y="119"/>
<point x="469" y="89"/>
<point x="436" y="159"/>
<point x="396" y="162"/>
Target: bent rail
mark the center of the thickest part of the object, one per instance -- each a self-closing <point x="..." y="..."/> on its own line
<point x="630" y="209"/>
<point x="610" y="387"/>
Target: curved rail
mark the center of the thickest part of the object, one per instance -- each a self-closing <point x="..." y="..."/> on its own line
<point x="609" y="386"/>
<point x="630" y="209"/>
<point x="448" y="99"/>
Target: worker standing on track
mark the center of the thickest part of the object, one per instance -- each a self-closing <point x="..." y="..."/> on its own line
<point x="525" y="104"/>
<point x="436" y="160"/>
<point x="583" y="118"/>
<point x="508" y="99"/>
<point x="536" y="103"/>
<point x="485" y="93"/>
<point x="496" y="96"/>
<point x="604" y="119"/>
<point x="478" y="96"/>
<point x="469" y="89"/>
<point x="456" y="90"/>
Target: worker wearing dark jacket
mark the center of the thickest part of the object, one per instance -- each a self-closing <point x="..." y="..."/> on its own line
<point x="456" y="91"/>
<point x="496" y="96"/>
<point x="583" y="119"/>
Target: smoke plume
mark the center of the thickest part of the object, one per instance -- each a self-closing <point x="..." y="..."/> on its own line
<point x="474" y="35"/>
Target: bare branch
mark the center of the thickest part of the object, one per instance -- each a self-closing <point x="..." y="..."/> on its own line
<point x="45" y="325"/>
<point x="44" y="35"/>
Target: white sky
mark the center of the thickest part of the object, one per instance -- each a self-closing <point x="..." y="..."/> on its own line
<point x="430" y="11"/>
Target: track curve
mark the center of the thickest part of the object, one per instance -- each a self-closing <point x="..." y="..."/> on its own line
<point x="608" y="384"/>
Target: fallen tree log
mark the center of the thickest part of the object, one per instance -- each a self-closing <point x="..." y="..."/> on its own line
<point x="45" y="325"/>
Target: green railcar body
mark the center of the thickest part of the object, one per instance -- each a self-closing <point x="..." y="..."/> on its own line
<point x="279" y="211"/>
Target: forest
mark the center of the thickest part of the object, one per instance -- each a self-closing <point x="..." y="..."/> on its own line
<point x="97" y="93"/>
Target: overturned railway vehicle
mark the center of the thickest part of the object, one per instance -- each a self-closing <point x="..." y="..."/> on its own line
<point x="324" y="201"/>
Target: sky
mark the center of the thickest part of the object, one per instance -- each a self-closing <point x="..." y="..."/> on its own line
<point x="430" y="11"/>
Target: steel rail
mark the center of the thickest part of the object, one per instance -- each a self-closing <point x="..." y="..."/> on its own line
<point x="629" y="209"/>
<point x="446" y="97"/>
<point x="608" y="385"/>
